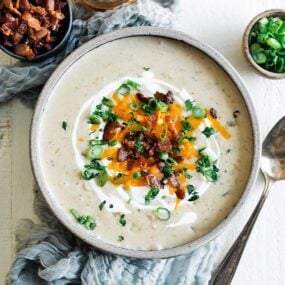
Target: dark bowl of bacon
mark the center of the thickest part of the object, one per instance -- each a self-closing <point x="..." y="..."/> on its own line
<point x="33" y="30"/>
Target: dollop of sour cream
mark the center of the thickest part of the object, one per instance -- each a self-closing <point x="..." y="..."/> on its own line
<point x="126" y="201"/>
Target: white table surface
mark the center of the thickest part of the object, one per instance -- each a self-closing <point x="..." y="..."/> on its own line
<point x="219" y="23"/>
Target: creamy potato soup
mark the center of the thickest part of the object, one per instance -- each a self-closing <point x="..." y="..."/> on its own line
<point x="146" y="143"/>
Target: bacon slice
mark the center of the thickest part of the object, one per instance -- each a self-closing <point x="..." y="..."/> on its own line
<point x="10" y="25"/>
<point x="19" y="34"/>
<point x="9" y="5"/>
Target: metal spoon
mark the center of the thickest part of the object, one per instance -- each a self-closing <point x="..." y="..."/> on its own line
<point x="273" y="169"/>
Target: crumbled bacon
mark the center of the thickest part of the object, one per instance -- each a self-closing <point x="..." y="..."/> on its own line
<point x="123" y="154"/>
<point x="142" y="98"/>
<point x="111" y="130"/>
<point x="31" y="25"/>
<point x="180" y="193"/>
<point x="166" y="98"/>
<point x="153" y="181"/>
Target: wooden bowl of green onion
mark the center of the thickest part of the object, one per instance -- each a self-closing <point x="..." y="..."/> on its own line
<point x="264" y="43"/>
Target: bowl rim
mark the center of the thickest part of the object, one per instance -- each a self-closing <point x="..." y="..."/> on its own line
<point x="76" y="55"/>
<point x="260" y="69"/>
<point x="51" y="52"/>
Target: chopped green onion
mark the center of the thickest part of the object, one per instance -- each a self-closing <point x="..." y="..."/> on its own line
<point x="151" y="194"/>
<point x="87" y="221"/>
<point x="162" y="214"/>
<point x="102" y="178"/>
<point x="122" y="220"/>
<point x="101" y="205"/>
<point x="124" y="90"/>
<point x="273" y="43"/>
<point x="120" y="238"/>
<point x="64" y="125"/>
<point x="188" y="105"/>
<point x="134" y="85"/>
<point x="94" y="152"/>
<point x="198" y="112"/>
<point x="108" y="102"/>
<point x="186" y="125"/>
<point x="167" y="171"/>
<point x="112" y="143"/>
<point x="94" y="119"/>
<point x="161" y="106"/>
<point x="209" y="132"/>
<point x="135" y="106"/>
<point x="146" y="68"/>
<point x="163" y="155"/>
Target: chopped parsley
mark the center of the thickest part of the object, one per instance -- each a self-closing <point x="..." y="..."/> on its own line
<point x="64" y="125"/>
<point x="193" y="194"/>
<point x="209" y="132"/>
<point x="122" y="220"/>
<point x="95" y="169"/>
<point x="146" y="68"/>
<point x="85" y="220"/>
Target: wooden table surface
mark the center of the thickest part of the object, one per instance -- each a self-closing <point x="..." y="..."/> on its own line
<point x="219" y="23"/>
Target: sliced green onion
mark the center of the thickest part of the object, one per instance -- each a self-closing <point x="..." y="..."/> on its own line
<point x="135" y="106"/>
<point x="161" y="106"/>
<point x="102" y="178"/>
<point x="162" y="214"/>
<point x="112" y="143"/>
<point x="256" y="48"/>
<point x="94" y="152"/>
<point x="188" y="105"/>
<point x="151" y="194"/>
<point x="259" y="58"/>
<point x="198" y="112"/>
<point x="108" y="102"/>
<point x="94" y="119"/>
<point x="134" y="85"/>
<point x="163" y="155"/>
<point x="186" y="125"/>
<point x="167" y="171"/>
<point x="124" y="90"/>
<point x="208" y="132"/>
<point x="273" y="43"/>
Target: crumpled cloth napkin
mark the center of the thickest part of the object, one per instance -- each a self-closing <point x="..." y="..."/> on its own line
<point x="48" y="253"/>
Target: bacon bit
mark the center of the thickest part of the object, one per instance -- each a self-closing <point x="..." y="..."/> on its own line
<point x="19" y="34"/>
<point x="24" y="5"/>
<point x="24" y="50"/>
<point x="32" y="22"/>
<point x="166" y="98"/>
<point x="9" y="5"/>
<point x="110" y="130"/>
<point x="10" y="25"/>
<point x="40" y="35"/>
<point x="213" y="113"/>
<point x="122" y="154"/>
<point x="142" y="98"/>
<point x="153" y="181"/>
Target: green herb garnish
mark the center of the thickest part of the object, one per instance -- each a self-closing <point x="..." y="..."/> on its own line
<point x="162" y="214"/>
<point x="209" y="132"/>
<point x="207" y="168"/>
<point x="122" y="220"/>
<point x="146" y="68"/>
<point x="198" y="112"/>
<point x="124" y="90"/>
<point x="101" y="205"/>
<point x="64" y="125"/>
<point x="87" y="221"/>
<point x="108" y="102"/>
<point x="120" y="238"/>
<point x="94" y="152"/>
<point x="186" y="125"/>
<point x="94" y="119"/>
<point x="151" y="194"/>
<point x="189" y="105"/>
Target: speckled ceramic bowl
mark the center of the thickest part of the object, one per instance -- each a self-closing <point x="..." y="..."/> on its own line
<point x="78" y="55"/>
<point x="245" y="45"/>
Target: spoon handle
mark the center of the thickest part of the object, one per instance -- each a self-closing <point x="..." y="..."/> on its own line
<point x="227" y="269"/>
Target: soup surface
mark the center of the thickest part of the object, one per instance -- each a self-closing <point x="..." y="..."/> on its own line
<point x="146" y="143"/>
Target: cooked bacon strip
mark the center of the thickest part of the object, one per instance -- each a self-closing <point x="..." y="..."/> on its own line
<point x="37" y="9"/>
<point x="24" y="50"/>
<point x="50" y="6"/>
<point x="9" y="5"/>
<point x="166" y="98"/>
<point x="31" y="21"/>
<point x="19" y="34"/>
<point x="171" y="127"/>
<point x="111" y="130"/>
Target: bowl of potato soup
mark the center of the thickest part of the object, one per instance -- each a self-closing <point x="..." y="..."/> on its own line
<point x="145" y="143"/>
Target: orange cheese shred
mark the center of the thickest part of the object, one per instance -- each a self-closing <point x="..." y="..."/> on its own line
<point x="219" y="126"/>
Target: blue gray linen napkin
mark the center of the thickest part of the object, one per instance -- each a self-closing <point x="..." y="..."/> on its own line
<point x="48" y="253"/>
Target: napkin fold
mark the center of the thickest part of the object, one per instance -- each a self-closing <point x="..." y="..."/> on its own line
<point x="49" y="254"/>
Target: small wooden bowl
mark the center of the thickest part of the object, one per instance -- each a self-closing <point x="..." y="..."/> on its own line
<point x="269" y="13"/>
